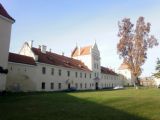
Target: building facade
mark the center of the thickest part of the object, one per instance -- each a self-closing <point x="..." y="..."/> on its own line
<point x="6" y="22"/>
<point x="36" y="69"/>
<point x="126" y="75"/>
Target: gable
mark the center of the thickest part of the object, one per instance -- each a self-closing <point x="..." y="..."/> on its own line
<point x="27" y="51"/>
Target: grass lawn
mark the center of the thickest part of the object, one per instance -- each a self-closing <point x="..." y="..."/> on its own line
<point x="129" y="104"/>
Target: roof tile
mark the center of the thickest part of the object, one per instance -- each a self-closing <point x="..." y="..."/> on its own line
<point x="82" y="51"/>
<point x="105" y="70"/>
<point x="59" y="60"/>
<point x="21" y="59"/>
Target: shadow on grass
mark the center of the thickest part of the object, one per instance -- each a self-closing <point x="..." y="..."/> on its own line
<point x="57" y="106"/>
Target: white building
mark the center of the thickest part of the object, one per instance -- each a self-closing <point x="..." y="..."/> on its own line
<point x="6" y="22"/>
<point x="36" y="69"/>
<point x="125" y="70"/>
<point x="157" y="82"/>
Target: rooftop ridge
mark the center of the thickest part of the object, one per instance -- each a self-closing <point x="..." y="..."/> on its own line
<point x="4" y="13"/>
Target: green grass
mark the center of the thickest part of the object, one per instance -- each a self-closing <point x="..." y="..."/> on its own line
<point x="129" y="104"/>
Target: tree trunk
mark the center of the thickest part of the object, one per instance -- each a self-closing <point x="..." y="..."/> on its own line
<point x="134" y="81"/>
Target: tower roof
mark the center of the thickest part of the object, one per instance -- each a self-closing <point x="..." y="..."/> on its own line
<point x="81" y="51"/>
<point x="4" y="13"/>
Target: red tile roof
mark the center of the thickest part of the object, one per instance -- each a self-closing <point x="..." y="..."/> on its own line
<point x="4" y="13"/>
<point x="21" y="59"/>
<point x="59" y="60"/>
<point x="105" y="70"/>
<point x="82" y="51"/>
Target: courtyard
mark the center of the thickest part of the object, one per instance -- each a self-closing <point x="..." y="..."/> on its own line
<point x="127" y="104"/>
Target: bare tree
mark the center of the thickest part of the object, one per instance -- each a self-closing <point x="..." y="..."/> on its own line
<point x="134" y="43"/>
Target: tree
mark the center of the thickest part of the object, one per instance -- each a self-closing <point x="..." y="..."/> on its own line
<point x="134" y="43"/>
<point x="157" y="74"/>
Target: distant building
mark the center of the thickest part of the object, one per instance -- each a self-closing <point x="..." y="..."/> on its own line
<point x="36" y="69"/>
<point x="6" y="22"/>
<point x="125" y="71"/>
<point x="157" y="82"/>
<point x="147" y="81"/>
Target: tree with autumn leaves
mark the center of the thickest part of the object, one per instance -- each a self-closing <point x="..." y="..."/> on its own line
<point x="134" y="41"/>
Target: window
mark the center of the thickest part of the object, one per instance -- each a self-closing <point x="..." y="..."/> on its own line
<point x="81" y="85"/>
<point x="59" y="72"/>
<point x="76" y="85"/>
<point x="95" y="74"/>
<point x="43" y="85"/>
<point x="90" y="75"/>
<point x="43" y="70"/>
<point x="85" y="75"/>
<point x="80" y="75"/>
<point x="68" y="73"/>
<point x="76" y="74"/>
<point x="97" y="66"/>
<point x="85" y="85"/>
<point x="52" y="85"/>
<point x="94" y="65"/>
<point x="59" y="85"/>
<point x="11" y="68"/>
<point x="52" y="71"/>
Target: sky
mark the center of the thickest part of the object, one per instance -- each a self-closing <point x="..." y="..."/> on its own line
<point x="63" y="24"/>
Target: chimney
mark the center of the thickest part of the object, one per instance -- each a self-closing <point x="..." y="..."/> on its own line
<point x="39" y="47"/>
<point x="30" y="43"/>
<point x="43" y="49"/>
<point x="62" y="53"/>
<point x="79" y="51"/>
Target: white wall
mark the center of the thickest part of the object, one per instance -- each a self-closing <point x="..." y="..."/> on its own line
<point x="48" y="78"/>
<point x="5" y="33"/>
<point x="128" y="76"/>
<point x="157" y="81"/>
<point x="108" y="80"/>
<point x="86" y="59"/>
<point x="21" y="77"/>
